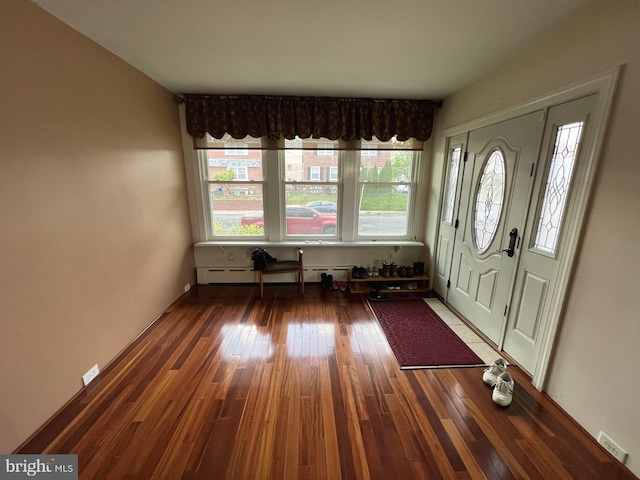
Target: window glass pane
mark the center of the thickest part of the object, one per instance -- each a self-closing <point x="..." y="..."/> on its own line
<point x="235" y="189"/>
<point x="557" y="189"/>
<point x="315" y="167"/>
<point x="236" y="150"/>
<point x="385" y="187"/>
<point x="326" y="149"/>
<point x="227" y="142"/>
<point x="383" y="211"/>
<point x="387" y="166"/>
<point x="311" y="209"/>
<point x="323" y="145"/>
<point x="226" y="167"/>
<point x="393" y="144"/>
<point x="311" y="160"/>
<point x="236" y="209"/>
<point x="314" y="173"/>
<point x="311" y="183"/>
<point x="451" y="184"/>
<point x="489" y="201"/>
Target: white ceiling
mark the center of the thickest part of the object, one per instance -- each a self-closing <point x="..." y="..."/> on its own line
<point x="357" y="48"/>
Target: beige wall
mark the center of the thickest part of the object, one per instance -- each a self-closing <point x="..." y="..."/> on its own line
<point x="594" y="373"/>
<point x="95" y="239"/>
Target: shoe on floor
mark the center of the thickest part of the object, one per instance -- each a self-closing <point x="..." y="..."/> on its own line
<point x="491" y="374"/>
<point x="503" y="391"/>
<point x="329" y="284"/>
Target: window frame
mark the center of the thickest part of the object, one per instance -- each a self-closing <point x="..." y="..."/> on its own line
<point x="206" y="201"/>
<point x="322" y="182"/>
<point x="273" y="187"/>
<point x="413" y="196"/>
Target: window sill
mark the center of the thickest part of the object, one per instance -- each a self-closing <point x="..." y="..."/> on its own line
<point x="314" y="243"/>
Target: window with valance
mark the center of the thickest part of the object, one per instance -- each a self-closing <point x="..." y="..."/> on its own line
<point x="352" y="164"/>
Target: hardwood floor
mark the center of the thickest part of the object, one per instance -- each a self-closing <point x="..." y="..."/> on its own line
<point x="226" y="386"/>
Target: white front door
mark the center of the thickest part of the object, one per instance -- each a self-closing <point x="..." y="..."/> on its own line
<point x="494" y="197"/>
<point x="544" y="241"/>
<point x="517" y="177"/>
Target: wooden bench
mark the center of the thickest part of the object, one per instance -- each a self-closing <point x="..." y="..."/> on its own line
<point x="284" y="266"/>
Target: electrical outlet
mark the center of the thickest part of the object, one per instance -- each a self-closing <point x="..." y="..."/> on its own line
<point x="231" y="257"/>
<point x="612" y="447"/>
<point x="187" y="287"/>
<point x="389" y="255"/>
<point x="90" y="375"/>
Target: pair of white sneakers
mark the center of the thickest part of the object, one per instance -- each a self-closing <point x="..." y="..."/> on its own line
<point x="502" y="382"/>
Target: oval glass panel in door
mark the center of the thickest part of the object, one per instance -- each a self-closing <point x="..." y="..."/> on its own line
<point x="489" y="201"/>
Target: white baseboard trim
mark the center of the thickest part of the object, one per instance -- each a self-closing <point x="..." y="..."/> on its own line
<point x="246" y="274"/>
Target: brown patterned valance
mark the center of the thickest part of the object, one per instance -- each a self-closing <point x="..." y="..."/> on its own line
<point x="275" y="117"/>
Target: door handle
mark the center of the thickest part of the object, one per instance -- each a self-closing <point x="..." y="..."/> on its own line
<point x="512" y="242"/>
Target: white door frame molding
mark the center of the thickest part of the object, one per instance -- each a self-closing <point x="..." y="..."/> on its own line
<point x="604" y="85"/>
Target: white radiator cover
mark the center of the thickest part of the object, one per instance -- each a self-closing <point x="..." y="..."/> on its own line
<point x="207" y="275"/>
<point x="246" y="274"/>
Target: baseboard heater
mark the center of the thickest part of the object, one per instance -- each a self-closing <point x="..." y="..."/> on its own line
<point x="312" y="274"/>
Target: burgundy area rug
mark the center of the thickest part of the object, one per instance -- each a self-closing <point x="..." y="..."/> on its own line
<point x="419" y="338"/>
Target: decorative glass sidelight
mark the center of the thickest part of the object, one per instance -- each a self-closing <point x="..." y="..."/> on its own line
<point x="489" y="201"/>
<point x="452" y="181"/>
<point x="556" y="193"/>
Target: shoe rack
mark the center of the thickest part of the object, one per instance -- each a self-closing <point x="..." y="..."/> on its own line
<point x="369" y="284"/>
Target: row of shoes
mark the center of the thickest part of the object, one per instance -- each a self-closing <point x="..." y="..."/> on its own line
<point x="362" y="272"/>
<point x="496" y="376"/>
<point x="388" y="270"/>
<point x="404" y="271"/>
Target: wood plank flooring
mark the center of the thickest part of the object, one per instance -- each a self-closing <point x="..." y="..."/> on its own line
<point x="226" y="386"/>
